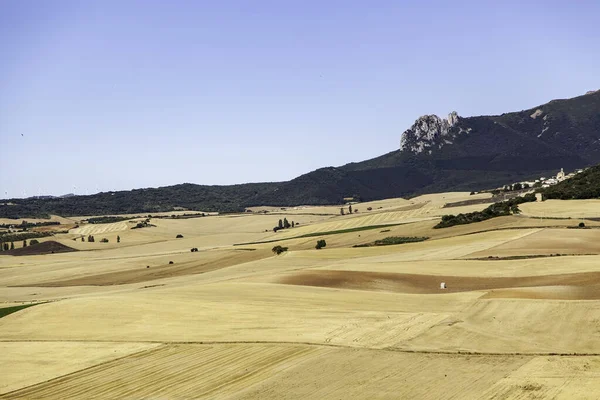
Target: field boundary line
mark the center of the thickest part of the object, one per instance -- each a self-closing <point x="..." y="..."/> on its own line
<point x="290" y="343"/>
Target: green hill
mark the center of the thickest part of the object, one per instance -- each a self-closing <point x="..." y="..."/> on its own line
<point x="585" y="185"/>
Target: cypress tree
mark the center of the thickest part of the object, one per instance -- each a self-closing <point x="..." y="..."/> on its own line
<point x="12" y="245"/>
<point x="24" y="243"/>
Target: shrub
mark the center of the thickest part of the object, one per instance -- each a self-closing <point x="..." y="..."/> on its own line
<point x="369" y="208"/>
<point x="179" y="236"/>
<point x="391" y="240"/>
<point x="279" y="249"/>
<point x="171" y="262"/>
<point x="106" y="219"/>
<point x="194" y="249"/>
<point x="581" y="225"/>
<point x="320" y="244"/>
<point x="33" y="241"/>
<point x="495" y="210"/>
<point x="104" y="240"/>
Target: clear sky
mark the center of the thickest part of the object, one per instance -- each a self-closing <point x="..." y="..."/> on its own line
<point x="116" y="94"/>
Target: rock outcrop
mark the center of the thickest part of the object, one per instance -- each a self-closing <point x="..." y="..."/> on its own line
<point x="430" y="132"/>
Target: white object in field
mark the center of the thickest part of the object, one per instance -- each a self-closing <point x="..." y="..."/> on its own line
<point x="443" y="285"/>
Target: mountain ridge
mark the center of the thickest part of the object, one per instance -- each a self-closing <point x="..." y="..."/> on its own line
<point x="435" y="154"/>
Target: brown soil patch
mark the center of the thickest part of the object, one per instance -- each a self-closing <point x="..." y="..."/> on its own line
<point x="427" y="284"/>
<point x="144" y="274"/>
<point x="48" y="247"/>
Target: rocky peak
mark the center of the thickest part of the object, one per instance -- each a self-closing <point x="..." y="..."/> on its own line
<point x="430" y="132"/>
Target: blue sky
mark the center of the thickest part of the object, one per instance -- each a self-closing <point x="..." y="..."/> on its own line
<point x="111" y="95"/>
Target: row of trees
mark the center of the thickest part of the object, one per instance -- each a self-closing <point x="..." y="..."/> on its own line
<point x="92" y="239"/>
<point x="6" y="246"/>
<point x="280" y="249"/>
<point x="350" y="210"/>
<point x="284" y="224"/>
<point x="507" y="207"/>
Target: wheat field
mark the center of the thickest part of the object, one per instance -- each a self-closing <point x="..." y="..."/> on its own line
<point x="148" y="318"/>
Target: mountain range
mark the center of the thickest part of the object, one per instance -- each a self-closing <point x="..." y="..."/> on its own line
<point x="435" y="154"/>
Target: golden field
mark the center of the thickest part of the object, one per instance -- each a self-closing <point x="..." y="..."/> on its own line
<point x="519" y="319"/>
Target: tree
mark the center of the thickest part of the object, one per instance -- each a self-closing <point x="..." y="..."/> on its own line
<point x="118" y="239"/>
<point x="320" y="244"/>
<point x="581" y="225"/>
<point x="12" y="245"/>
<point x="293" y="224"/>
<point x="279" y="249"/>
<point x="104" y="240"/>
<point x="280" y="224"/>
<point x="350" y="208"/>
<point x="83" y="238"/>
<point x="179" y="236"/>
<point x="24" y="243"/>
<point x="5" y="246"/>
<point x="33" y="241"/>
<point x="342" y="211"/>
<point x="286" y="224"/>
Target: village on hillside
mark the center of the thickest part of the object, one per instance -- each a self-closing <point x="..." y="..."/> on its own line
<point x="542" y="182"/>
